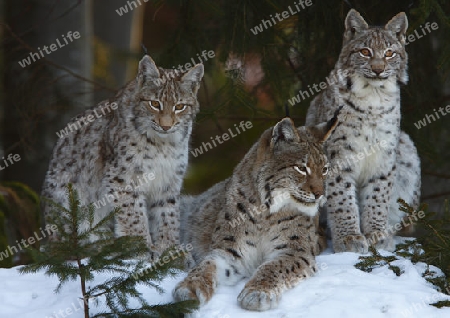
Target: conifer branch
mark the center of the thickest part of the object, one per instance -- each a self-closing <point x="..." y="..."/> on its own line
<point x="79" y="253"/>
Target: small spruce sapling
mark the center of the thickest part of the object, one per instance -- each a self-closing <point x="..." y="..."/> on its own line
<point x="434" y="239"/>
<point x="368" y="263"/>
<point x="432" y="247"/>
<point x="121" y="257"/>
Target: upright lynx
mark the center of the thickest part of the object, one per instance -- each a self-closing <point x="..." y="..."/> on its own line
<point x="261" y="222"/>
<point x="147" y="134"/>
<point x="377" y="162"/>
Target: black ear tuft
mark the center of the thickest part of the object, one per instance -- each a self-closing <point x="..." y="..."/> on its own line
<point x="144" y="48"/>
<point x="322" y="131"/>
<point x="286" y="108"/>
<point x="332" y="122"/>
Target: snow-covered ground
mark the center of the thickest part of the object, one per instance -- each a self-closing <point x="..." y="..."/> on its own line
<point x="338" y="290"/>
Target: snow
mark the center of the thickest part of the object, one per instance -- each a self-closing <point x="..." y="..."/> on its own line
<point x="337" y="290"/>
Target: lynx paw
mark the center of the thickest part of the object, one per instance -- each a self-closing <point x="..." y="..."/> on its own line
<point x="154" y="254"/>
<point x="189" y="261"/>
<point x="351" y="243"/>
<point x="384" y="243"/>
<point x="193" y="289"/>
<point x="256" y="299"/>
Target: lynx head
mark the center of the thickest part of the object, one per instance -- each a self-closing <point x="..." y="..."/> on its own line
<point x="293" y="166"/>
<point x="166" y="100"/>
<point x="376" y="53"/>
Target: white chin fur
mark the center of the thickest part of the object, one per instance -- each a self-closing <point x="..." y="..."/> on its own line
<point x="286" y="202"/>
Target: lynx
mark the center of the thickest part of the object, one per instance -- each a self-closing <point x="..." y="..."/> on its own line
<point x="362" y="203"/>
<point x="261" y="222"/>
<point x="134" y="155"/>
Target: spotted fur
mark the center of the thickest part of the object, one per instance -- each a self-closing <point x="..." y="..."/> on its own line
<point x="362" y="199"/>
<point x="261" y="222"/>
<point x="134" y="156"/>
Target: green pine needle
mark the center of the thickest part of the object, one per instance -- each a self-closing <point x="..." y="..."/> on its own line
<point x="74" y="255"/>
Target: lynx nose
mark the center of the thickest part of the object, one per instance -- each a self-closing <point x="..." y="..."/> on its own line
<point x="166" y="122"/>
<point x="318" y="194"/>
<point x="317" y="189"/>
<point x="377" y="69"/>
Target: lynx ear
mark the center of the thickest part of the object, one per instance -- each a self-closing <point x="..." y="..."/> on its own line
<point x="193" y="77"/>
<point x="322" y="131"/>
<point x="195" y="74"/>
<point x="147" y="69"/>
<point x="354" y="22"/>
<point x="398" y="25"/>
<point x="284" y="131"/>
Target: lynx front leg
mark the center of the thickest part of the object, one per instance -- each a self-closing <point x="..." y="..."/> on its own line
<point x="164" y="216"/>
<point x="263" y="291"/>
<point x="201" y="283"/>
<point x="407" y="183"/>
<point x="343" y="216"/>
<point x="375" y="199"/>
<point x="317" y="231"/>
<point x="132" y="219"/>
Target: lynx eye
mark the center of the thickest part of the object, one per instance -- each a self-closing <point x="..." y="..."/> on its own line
<point x="179" y="107"/>
<point x="155" y="105"/>
<point x="365" y="53"/>
<point x="301" y="170"/>
<point x="390" y="53"/>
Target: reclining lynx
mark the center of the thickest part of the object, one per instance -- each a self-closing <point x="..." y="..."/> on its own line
<point x="362" y="197"/>
<point x="275" y="192"/>
<point x="146" y="133"/>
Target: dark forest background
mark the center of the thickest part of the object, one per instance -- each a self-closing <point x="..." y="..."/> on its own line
<point x="250" y="78"/>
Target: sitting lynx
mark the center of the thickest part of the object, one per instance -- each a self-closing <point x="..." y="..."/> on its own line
<point x="134" y="155"/>
<point x="260" y="223"/>
<point x="377" y="162"/>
